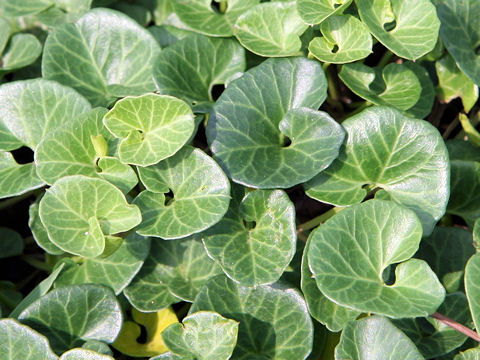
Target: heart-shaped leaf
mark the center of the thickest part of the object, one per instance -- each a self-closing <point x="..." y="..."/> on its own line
<point x="201" y="194"/>
<point x="189" y="68"/>
<point x="151" y="127"/>
<point x="39" y="232"/>
<point x="11" y="243"/>
<point x="316" y="11"/>
<point x="349" y="253"/>
<point x="70" y="150"/>
<point x="80" y="313"/>
<point x="82" y="354"/>
<point x="273" y="320"/>
<point x="201" y="17"/>
<point x="255" y="241"/>
<point x="257" y="112"/>
<point x="18" y="341"/>
<point x="78" y="212"/>
<point x="22" y="50"/>
<point x="204" y="335"/>
<point x="472" y="288"/>
<point x="371" y="338"/>
<point x="387" y="150"/>
<point x="74" y="55"/>
<point x="345" y="39"/>
<point x="116" y="270"/>
<point x="16" y="179"/>
<point x="409" y="28"/>
<point x="460" y="31"/>
<point x="30" y="109"/>
<point x="335" y="317"/>
<point x="24" y="7"/>
<point x="271" y="29"/>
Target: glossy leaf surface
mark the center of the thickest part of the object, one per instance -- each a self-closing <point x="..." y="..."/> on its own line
<point x="472" y="288"/>
<point x="22" y="50"/>
<point x="316" y="11"/>
<point x="15" y="178"/>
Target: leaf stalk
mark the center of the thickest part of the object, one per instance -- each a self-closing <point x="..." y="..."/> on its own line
<point x="456" y="326"/>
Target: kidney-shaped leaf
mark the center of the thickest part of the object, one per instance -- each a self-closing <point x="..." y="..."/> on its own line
<point x="345" y="39"/>
<point x="257" y="112"/>
<point x="16" y="179"/>
<point x="151" y="127"/>
<point x="201" y="194"/>
<point x="315" y="11"/>
<point x="409" y="28"/>
<point x="255" y="241"/>
<point x="271" y="29"/>
<point x="78" y="212"/>
<point x="70" y="315"/>
<point x="472" y="288"/>
<point x="18" y="341"/>
<point x="204" y="335"/>
<point x="349" y="253"/>
<point x="405" y="157"/>
<point x="375" y="338"/>
<point x="201" y="17"/>
<point x="273" y="320"/>
<point x="189" y="68"/>
<point x="75" y="55"/>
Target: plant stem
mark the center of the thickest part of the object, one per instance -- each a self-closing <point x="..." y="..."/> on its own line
<point x="310" y="224"/>
<point x="223" y="6"/>
<point x="12" y="201"/>
<point x="456" y="326"/>
<point x="385" y="58"/>
<point x="37" y="264"/>
<point x="328" y="352"/>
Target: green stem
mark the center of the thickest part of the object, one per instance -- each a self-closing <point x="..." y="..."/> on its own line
<point x="12" y="201"/>
<point x="385" y="58"/>
<point x="357" y="110"/>
<point x="37" y="264"/>
<point x="332" y="88"/>
<point x="319" y="219"/>
<point x="328" y="352"/>
<point x="223" y="7"/>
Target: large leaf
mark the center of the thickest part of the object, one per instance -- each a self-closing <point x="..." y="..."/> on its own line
<point x="345" y="39"/>
<point x="70" y="150"/>
<point x="115" y="270"/>
<point x="465" y="189"/>
<point x="255" y="241"/>
<point x="271" y="29"/>
<point x="470" y="354"/>
<point x="315" y="11"/>
<point x="189" y="68"/>
<point x="204" y="335"/>
<point x="70" y="315"/>
<point x="349" y="253"/>
<point x="151" y="127"/>
<point x="472" y="288"/>
<point x="409" y="28"/>
<point x="11" y="243"/>
<point x="254" y="115"/>
<point x="78" y="212"/>
<point x="22" y="50"/>
<point x="201" y="193"/>
<point x="74" y="55"/>
<point x="39" y="232"/>
<point x="30" y="109"/>
<point x="460" y="31"/>
<point x="173" y="269"/>
<point x="273" y="320"/>
<point x="405" y="157"/>
<point x="201" y="17"/>
<point x="83" y="354"/>
<point x="18" y="341"/>
<point x="375" y="338"/>
<point x="24" y="7"/>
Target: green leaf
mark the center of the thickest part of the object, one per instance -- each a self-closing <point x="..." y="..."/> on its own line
<point x="39" y="232"/>
<point x="30" y="109"/>
<point x="151" y="127"/>
<point x="255" y="241"/>
<point x="22" y="50"/>
<point x="190" y="68"/>
<point x="97" y="346"/>
<point x="11" y="243"/>
<point x="70" y="315"/>
<point x="204" y="335"/>
<point x="167" y="35"/>
<point x="470" y="354"/>
<point x="465" y="189"/>
<point x="24" y="7"/>
<point x="447" y="251"/>
<point x="462" y="150"/>
<point x="10" y="297"/>
<point x="375" y="338"/>
<point x="201" y="193"/>
<point x="335" y="317"/>
<point x="78" y="212"/>
<point x="409" y="28"/>
<point x="256" y="114"/>
<point x="349" y="253"/>
<point x="271" y="29"/>
<point x="453" y="83"/>
<point x="273" y="320"/>
<point x="460" y="31"/>
<point x="83" y="354"/>
<point x="74" y="55"/>
<point x="201" y="17"/>
<point x="70" y="150"/>
<point x="345" y="39"/>
<point x="116" y="270"/>
<point x="432" y="337"/>
<point x="167" y="356"/>
<point x="18" y="341"/>
<point x="4" y="32"/>
<point x="16" y="179"/>
<point x="405" y="157"/>
<point x="472" y="288"/>
<point x="316" y="11"/>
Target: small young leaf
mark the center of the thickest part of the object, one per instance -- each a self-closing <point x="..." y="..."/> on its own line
<point x="11" y="243"/>
<point x="349" y="253"/>
<point x="316" y="11"/>
<point x="22" y="50"/>
<point x="205" y="335"/>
